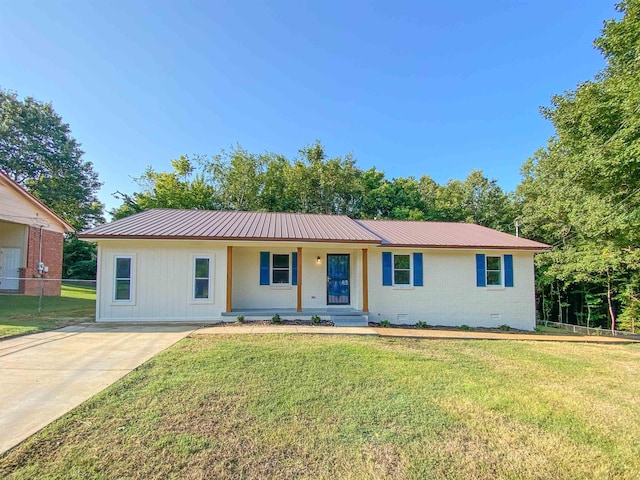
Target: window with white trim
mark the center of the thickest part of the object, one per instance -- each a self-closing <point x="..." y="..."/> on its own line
<point x="201" y="278"/>
<point x="402" y="270"/>
<point x="494" y="271"/>
<point x="280" y="269"/>
<point x="122" y="281"/>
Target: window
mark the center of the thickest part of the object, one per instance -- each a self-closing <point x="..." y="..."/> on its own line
<point x="494" y="271"/>
<point x="402" y="269"/>
<point x="280" y="270"/>
<point x="201" y="278"/>
<point x="122" y="290"/>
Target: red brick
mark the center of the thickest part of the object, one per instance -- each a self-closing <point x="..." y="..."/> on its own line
<point x="51" y="257"/>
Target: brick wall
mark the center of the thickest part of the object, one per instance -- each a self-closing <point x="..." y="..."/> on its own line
<point x="51" y="257"/>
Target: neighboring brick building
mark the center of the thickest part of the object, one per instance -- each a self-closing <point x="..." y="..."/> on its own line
<point x="30" y="234"/>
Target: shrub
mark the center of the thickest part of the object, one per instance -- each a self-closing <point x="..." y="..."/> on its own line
<point x="465" y="327"/>
<point x="276" y="319"/>
<point x="316" y="320"/>
<point x="421" y="324"/>
<point x="538" y="329"/>
<point x="240" y="319"/>
<point x="505" y="327"/>
<point x="385" y="323"/>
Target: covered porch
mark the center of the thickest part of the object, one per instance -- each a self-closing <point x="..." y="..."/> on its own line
<point x="297" y="281"/>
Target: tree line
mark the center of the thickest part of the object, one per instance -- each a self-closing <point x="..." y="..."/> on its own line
<point x="314" y="183"/>
<point x="580" y="193"/>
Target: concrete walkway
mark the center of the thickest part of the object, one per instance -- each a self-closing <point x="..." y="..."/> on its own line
<point x="44" y="375"/>
<point x="232" y="329"/>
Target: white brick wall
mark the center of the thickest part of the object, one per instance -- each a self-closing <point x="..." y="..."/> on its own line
<point x="450" y="295"/>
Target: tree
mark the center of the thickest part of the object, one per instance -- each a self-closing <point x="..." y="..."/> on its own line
<point x="79" y="259"/>
<point x="327" y="185"/>
<point x="38" y="152"/>
<point x="238" y="177"/>
<point x="398" y="199"/>
<point x="582" y="192"/>
<point x="184" y="187"/>
<point x="278" y="190"/>
<point x="476" y="199"/>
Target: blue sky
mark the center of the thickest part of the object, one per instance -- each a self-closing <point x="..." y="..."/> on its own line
<point x="412" y="88"/>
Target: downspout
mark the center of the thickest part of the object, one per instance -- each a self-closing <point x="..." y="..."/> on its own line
<point x="40" y="249"/>
<point x="40" y="272"/>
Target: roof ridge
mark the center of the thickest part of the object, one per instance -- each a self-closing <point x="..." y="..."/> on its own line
<point x="388" y="220"/>
<point x="332" y="215"/>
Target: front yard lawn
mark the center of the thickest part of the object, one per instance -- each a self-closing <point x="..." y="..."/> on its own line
<point x="19" y="313"/>
<point x="305" y="406"/>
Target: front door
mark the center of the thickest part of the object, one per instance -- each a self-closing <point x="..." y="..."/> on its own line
<point x="9" y="268"/>
<point x="338" y="290"/>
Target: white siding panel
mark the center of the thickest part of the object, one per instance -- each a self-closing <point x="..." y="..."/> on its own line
<point x="450" y="296"/>
<point x="163" y="281"/>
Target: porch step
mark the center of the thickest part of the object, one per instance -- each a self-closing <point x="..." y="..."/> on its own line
<point x="350" y="320"/>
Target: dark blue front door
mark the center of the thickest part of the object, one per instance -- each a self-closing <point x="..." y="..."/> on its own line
<point x="338" y="291"/>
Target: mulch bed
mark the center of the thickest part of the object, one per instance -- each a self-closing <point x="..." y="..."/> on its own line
<point x="453" y="329"/>
<point x="329" y="323"/>
<point x="323" y="323"/>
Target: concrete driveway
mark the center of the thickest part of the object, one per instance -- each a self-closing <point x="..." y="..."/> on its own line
<point x="43" y="376"/>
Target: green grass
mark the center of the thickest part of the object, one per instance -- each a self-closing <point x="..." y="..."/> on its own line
<point x="19" y="313"/>
<point x="284" y="406"/>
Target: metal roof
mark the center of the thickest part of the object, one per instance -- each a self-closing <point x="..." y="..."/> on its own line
<point x="402" y="233"/>
<point x="271" y="226"/>
<point x="234" y="225"/>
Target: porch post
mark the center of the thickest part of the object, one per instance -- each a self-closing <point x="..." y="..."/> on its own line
<point x="229" y="276"/>
<point x="365" y="281"/>
<point x="299" y="306"/>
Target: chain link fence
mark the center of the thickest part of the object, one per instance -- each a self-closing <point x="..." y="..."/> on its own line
<point x="22" y="295"/>
<point x="607" y="332"/>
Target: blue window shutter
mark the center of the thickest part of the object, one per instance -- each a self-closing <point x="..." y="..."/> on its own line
<point x="294" y="268"/>
<point x="387" y="269"/>
<point x="417" y="269"/>
<point x="508" y="270"/>
<point x="264" y="268"/>
<point x="481" y="270"/>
